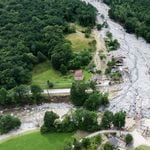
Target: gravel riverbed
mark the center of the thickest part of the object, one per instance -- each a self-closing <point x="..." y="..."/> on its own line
<point x="32" y="116"/>
<point x="134" y="97"/>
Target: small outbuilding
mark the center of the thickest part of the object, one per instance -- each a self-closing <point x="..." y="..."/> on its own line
<point x="78" y="75"/>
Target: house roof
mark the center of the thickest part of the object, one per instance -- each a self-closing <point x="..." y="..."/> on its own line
<point x="113" y="141"/>
<point x="78" y="73"/>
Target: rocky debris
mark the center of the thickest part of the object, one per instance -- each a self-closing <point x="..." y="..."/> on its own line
<point x="32" y="116"/>
<point x="136" y="78"/>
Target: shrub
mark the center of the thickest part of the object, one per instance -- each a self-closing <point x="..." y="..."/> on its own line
<point x="119" y="119"/>
<point x="93" y="102"/>
<point x="108" y="146"/>
<point x="107" y="120"/>
<point x="77" y="145"/>
<point x="8" y="123"/>
<point x="63" y="69"/>
<point x="98" y="139"/>
<point x="78" y="93"/>
<point x="43" y="129"/>
<point x="49" y="120"/>
<point x="50" y="84"/>
<point x="128" y="139"/>
<point x="85" y="143"/>
<point x="67" y="125"/>
<point x="87" y="35"/>
<point x="68" y="146"/>
<point x="41" y="57"/>
<point x="99" y="26"/>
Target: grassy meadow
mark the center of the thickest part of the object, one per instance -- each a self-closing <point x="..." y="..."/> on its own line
<point x="44" y="72"/>
<point x="36" y="141"/>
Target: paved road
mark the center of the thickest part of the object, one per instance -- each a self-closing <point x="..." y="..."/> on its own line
<point x="57" y="91"/>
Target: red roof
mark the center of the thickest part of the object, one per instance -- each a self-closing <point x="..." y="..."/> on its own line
<point x="78" y="73"/>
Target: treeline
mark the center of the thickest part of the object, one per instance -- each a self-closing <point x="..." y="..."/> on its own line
<point x="92" y="100"/>
<point x="8" y="123"/>
<point x="33" y="31"/>
<point x="82" y="119"/>
<point x="133" y="14"/>
<point x="21" y="95"/>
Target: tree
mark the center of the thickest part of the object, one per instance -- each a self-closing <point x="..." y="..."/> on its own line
<point x="108" y="146"/>
<point x="61" y="55"/>
<point x="49" y="119"/>
<point x="77" y="145"/>
<point x="41" y="57"/>
<point x="36" y="91"/>
<point x="104" y="99"/>
<point x="85" y="143"/>
<point x="3" y="96"/>
<point x="68" y="146"/>
<point x="128" y="139"/>
<point x="98" y="139"/>
<point x="93" y="101"/>
<point x="78" y="93"/>
<point x="50" y="84"/>
<point x="85" y="120"/>
<point x="21" y="94"/>
<point x="107" y="120"/>
<point x="119" y="119"/>
<point x="92" y="85"/>
<point x="7" y="123"/>
<point x="63" y="69"/>
<point x="99" y="27"/>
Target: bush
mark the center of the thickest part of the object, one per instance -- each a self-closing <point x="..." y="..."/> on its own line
<point x="85" y="120"/>
<point x="93" y="102"/>
<point x="107" y="120"/>
<point x="78" y="93"/>
<point x="50" y="84"/>
<point x="43" y="129"/>
<point x="87" y="35"/>
<point x="108" y="146"/>
<point x="99" y="26"/>
<point x="119" y="119"/>
<point x="49" y="120"/>
<point x="128" y="139"/>
<point x="77" y="145"/>
<point x="63" y="69"/>
<point x="98" y="139"/>
<point x="41" y="57"/>
<point x="8" y="123"/>
<point x="68" y="146"/>
<point x="85" y="143"/>
<point x="67" y="125"/>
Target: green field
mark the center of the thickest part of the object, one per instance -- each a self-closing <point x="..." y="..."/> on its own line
<point x="142" y="147"/>
<point x="36" y="141"/>
<point x="44" y="71"/>
<point x="78" y="40"/>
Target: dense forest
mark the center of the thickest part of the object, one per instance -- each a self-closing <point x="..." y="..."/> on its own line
<point x="32" y="31"/>
<point x="133" y="14"/>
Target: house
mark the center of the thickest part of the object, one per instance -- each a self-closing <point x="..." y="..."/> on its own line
<point x="78" y="75"/>
<point x="114" y="141"/>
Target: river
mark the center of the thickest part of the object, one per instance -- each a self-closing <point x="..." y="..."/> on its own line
<point x="32" y="116"/>
<point x="134" y="97"/>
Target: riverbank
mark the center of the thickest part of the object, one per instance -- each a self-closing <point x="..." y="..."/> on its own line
<point x="32" y="116"/>
<point x="134" y="96"/>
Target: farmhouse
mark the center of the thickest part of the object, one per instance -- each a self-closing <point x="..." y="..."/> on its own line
<point x="78" y="75"/>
